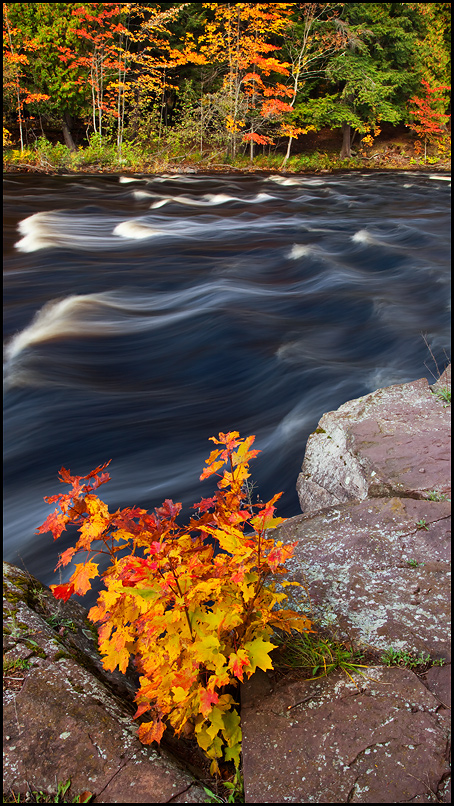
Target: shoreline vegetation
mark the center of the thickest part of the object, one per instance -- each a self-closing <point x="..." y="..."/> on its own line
<point x="396" y="151"/>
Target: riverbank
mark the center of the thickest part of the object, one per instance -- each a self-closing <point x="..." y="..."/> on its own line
<point x="365" y="728"/>
<point x="393" y="150"/>
<point x="334" y="166"/>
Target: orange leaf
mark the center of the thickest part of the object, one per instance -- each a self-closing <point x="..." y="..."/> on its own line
<point x="207" y="700"/>
<point x="151" y="732"/>
<point x="83" y="573"/>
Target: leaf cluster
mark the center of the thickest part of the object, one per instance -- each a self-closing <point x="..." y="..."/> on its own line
<point x="189" y="604"/>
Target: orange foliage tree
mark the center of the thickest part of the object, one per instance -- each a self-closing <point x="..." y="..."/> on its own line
<point x="428" y="121"/>
<point x="237" y="37"/>
<point x="15" y="48"/>
<point x="190" y="604"/>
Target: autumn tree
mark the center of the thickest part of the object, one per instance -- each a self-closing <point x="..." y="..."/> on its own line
<point x="16" y="48"/>
<point x="427" y="121"/>
<point x="50" y="26"/>
<point x="154" y="57"/>
<point x="310" y="39"/>
<point x="98" y="25"/>
<point x="237" y="36"/>
<point x="195" y="620"/>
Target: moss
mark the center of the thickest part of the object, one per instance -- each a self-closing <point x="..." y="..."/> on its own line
<point x="319" y="431"/>
<point x="38" y="652"/>
<point x="62" y="656"/>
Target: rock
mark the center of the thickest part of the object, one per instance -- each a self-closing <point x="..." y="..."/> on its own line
<point x="395" y="441"/>
<point x="378" y="738"/>
<point x="373" y="575"/>
<point x="67" y="717"/>
<point x="373" y="554"/>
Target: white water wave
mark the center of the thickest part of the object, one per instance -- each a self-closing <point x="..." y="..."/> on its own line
<point x="210" y="200"/>
<point x="119" y="312"/>
<point x="91" y="231"/>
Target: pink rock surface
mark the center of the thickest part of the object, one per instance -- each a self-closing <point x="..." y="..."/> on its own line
<point x="374" y="574"/>
<point x="395" y="441"/>
<point x="378" y="738"/>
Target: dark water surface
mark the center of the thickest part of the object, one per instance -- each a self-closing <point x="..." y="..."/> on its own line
<point x="143" y="316"/>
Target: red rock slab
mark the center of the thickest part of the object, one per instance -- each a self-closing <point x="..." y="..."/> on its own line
<point x="395" y="441"/>
<point x="62" y="722"/>
<point x="376" y="572"/>
<point x="381" y="738"/>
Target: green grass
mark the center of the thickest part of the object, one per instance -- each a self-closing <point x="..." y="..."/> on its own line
<point x="434" y="496"/>
<point x="234" y="794"/>
<point x="17" y="665"/>
<point x="444" y="394"/>
<point x="46" y="797"/>
<point x="315" y="656"/>
<point x="397" y="657"/>
<point x="422" y="524"/>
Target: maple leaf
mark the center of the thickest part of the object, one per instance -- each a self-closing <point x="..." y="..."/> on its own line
<point x="168" y="509"/>
<point x="207" y="700"/>
<point x="237" y="661"/>
<point x="258" y="652"/>
<point x="151" y="732"/>
<point x="55" y="523"/>
<point x="145" y="706"/>
<point x="66" y="557"/>
<point x="83" y="573"/>
<point x="62" y="591"/>
<point x="205" y="504"/>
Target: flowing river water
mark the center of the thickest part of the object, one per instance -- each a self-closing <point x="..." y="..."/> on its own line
<point x="144" y="315"/>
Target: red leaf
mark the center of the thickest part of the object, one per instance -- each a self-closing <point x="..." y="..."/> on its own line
<point x="62" y="591"/>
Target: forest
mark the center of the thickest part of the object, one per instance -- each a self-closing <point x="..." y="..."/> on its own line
<point x="293" y="86"/>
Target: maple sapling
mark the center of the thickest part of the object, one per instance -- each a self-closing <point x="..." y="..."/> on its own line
<point x="194" y="619"/>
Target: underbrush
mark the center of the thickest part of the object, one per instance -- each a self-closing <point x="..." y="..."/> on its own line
<point x="102" y="155"/>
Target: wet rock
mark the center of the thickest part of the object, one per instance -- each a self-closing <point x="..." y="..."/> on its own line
<point x="378" y="738"/>
<point x="395" y="441"/>
<point x="65" y="717"/>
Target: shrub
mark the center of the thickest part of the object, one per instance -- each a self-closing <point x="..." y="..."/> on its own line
<point x="195" y="619"/>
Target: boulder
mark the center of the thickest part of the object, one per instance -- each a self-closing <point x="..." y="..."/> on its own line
<point x="395" y="441"/>
<point x="373" y="556"/>
<point x="65" y="717"/>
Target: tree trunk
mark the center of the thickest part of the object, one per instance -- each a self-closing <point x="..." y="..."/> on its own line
<point x="289" y="145"/>
<point x="346" y="141"/>
<point x="66" y="126"/>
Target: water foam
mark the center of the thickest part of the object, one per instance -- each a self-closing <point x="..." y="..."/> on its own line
<point x="136" y="230"/>
<point x="299" y="250"/>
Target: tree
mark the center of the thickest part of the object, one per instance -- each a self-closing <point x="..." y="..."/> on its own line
<point x="15" y="48"/>
<point x="237" y="37"/>
<point x="310" y="39"/>
<point x="428" y="123"/>
<point x="381" y="63"/>
<point x="51" y="25"/>
<point x="153" y="57"/>
<point x="98" y="26"/>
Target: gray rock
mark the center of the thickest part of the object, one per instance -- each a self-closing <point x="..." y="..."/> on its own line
<point x="65" y="717"/>
<point x="373" y="555"/>
<point x="373" y="575"/>
<point x="395" y="441"/>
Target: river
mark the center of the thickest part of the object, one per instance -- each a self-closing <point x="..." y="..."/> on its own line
<point x="144" y="315"/>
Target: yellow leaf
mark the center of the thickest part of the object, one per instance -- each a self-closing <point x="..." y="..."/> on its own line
<point x="179" y="694"/>
<point x="258" y="651"/>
